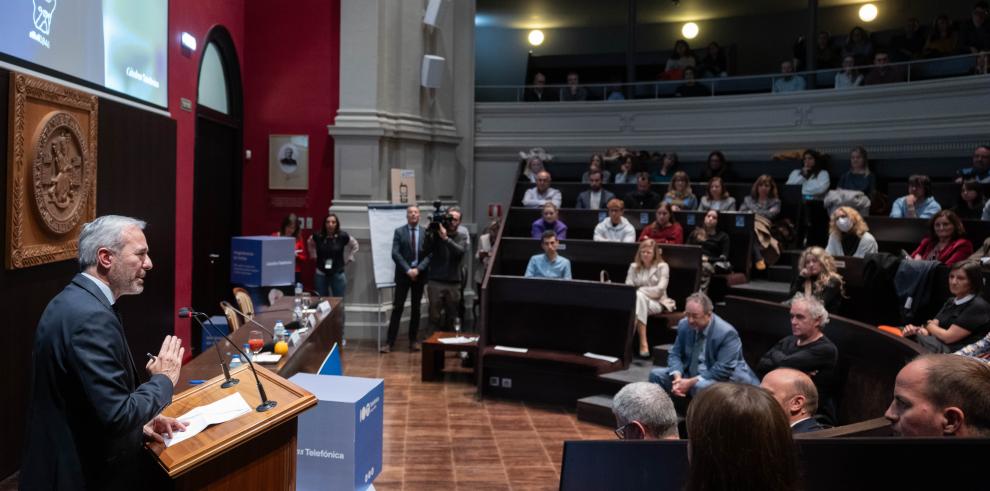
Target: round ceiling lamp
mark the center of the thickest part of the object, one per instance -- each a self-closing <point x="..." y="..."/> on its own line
<point x="535" y="37"/>
<point x="868" y="12"/>
<point x="690" y="30"/>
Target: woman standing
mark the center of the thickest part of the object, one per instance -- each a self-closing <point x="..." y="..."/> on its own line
<point x="650" y="274"/>
<point x="333" y="250"/>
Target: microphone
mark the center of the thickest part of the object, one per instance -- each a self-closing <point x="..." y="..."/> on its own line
<point x="229" y="382"/>
<point x="266" y="404"/>
<point x="227" y="305"/>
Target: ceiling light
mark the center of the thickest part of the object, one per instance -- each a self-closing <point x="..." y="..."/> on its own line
<point x="535" y="37"/>
<point x="690" y="30"/>
<point x="868" y="12"/>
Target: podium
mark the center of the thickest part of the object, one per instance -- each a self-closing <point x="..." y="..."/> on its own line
<point x="253" y="451"/>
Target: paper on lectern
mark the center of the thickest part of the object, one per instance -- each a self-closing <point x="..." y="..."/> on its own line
<point x="216" y="412"/>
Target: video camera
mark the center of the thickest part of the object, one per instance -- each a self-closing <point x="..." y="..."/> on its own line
<point x="440" y="216"/>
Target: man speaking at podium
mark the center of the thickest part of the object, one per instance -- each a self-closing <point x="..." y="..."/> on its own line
<point x="88" y="416"/>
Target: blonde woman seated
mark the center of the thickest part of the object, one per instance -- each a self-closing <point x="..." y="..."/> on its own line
<point x="849" y="235"/>
<point x="818" y="277"/>
<point x="650" y="274"/>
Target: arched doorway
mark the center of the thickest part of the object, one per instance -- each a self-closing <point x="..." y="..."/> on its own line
<point x="217" y="171"/>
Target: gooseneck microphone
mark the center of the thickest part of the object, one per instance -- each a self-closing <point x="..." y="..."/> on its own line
<point x="228" y="382"/>
<point x="266" y="404"/>
<point x="227" y="305"/>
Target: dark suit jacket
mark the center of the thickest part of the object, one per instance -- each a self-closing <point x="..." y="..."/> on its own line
<point x="584" y="199"/>
<point x="87" y="410"/>
<point x="807" y="426"/>
<point x="402" y="253"/>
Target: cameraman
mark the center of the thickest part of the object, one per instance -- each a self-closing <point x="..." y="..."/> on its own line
<point x="447" y="246"/>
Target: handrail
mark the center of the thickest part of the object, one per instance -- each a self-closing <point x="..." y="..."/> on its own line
<point x="713" y="82"/>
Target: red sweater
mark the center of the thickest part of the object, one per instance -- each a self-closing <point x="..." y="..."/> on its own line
<point x="956" y="251"/>
<point x="671" y="234"/>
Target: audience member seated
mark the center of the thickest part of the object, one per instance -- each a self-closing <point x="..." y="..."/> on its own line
<point x="975" y="34"/>
<point x="919" y="202"/>
<point x="725" y="420"/>
<point x="827" y="55"/>
<point x="549" y="264"/>
<point x="789" y="82"/>
<point x="764" y="202"/>
<point x="849" y="235"/>
<point x="946" y="241"/>
<point x="941" y="395"/>
<point x="596" y="164"/>
<point x="980" y="171"/>
<point x="717" y="166"/>
<point x="615" y="92"/>
<point x="626" y="175"/>
<point x="818" y="277"/>
<point x="982" y="253"/>
<point x="982" y="66"/>
<point x="797" y="396"/>
<point x="856" y="186"/>
<point x="664" y="230"/>
<point x="963" y="320"/>
<point x="549" y="221"/>
<point x="882" y="72"/>
<point x="615" y="227"/>
<point x="679" y="195"/>
<point x="707" y="350"/>
<point x="807" y="349"/>
<point x="644" y="411"/>
<point x="538" y="92"/>
<point x="534" y="165"/>
<point x="910" y="44"/>
<point x="536" y="197"/>
<point x="668" y="166"/>
<point x="812" y="176"/>
<point x="573" y="92"/>
<point x="714" y="248"/>
<point x="643" y="198"/>
<point x="649" y="273"/>
<point x="717" y="198"/>
<point x="691" y="88"/>
<point x="943" y="39"/>
<point x="681" y="58"/>
<point x="714" y="64"/>
<point x="849" y="76"/>
<point x="859" y="46"/>
<point x="971" y="202"/>
<point x="596" y="197"/>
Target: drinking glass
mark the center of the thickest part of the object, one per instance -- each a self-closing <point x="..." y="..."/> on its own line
<point x="256" y="341"/>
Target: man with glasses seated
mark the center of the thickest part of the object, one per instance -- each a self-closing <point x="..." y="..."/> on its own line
<point x="707" y="350"/>
<point x="644" y="411"/>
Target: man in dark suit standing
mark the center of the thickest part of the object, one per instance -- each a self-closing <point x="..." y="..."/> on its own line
<point x="88" y="417"/>
<point x="411" y="263"/>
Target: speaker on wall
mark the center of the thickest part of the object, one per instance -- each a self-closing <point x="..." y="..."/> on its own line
<point x="432" y="71"/>
<point x="433" y="12"/>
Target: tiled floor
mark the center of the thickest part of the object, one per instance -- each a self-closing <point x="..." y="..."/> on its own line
<point x="438" y="435"/>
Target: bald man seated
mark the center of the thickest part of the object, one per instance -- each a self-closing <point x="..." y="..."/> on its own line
<point x="643" y="411"/>
<point x="941" y="395"/>
<point x="796" y="393"/>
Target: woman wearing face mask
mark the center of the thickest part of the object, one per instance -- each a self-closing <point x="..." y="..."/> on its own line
<point x="849" y="235"/>
<point x="818" y="277"/>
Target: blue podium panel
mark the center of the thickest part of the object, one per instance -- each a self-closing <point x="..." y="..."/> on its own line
<point x="262" y="260"/>
<point x="339" y="444"/>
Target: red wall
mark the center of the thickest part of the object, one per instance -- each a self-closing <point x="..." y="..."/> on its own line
<point x="289" y="60"/>
<point x="291" y="87"/>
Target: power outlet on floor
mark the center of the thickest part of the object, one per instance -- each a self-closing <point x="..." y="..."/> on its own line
<point x="506" y="383"/>
<point x="493" y="381"/>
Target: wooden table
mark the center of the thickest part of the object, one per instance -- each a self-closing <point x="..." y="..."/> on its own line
<point x="433" y="353"/>
<point x="306" y="356"/>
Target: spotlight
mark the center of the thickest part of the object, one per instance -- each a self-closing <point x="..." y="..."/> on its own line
<point x="535" y="37"/>
<point x="868" y="12"/>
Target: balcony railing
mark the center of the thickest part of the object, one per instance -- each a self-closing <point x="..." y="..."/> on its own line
<point x="909" y="71"/>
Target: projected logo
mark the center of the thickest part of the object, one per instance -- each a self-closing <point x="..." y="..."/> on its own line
<point x="43" y="12"/>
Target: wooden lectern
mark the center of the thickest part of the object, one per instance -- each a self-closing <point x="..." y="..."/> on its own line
<point x="253" y="451"/>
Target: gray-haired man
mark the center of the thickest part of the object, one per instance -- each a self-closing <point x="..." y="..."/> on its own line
<point x="643" y="411"/>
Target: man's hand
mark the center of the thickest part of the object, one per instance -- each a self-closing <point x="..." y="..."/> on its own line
<point x="412" y="273"/>
<point x="169" y="359"/>
<point x="442" y="233"/>
<point x="682" y="386"/>
<point x="157" y="429"/>
<point x="910" y="200"/>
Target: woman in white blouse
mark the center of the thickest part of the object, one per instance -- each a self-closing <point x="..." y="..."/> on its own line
<point x="812" y="176"/>
<point x="650" y="274"/>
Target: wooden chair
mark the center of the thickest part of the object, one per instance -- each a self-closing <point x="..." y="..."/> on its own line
<point x="233" y="320"/>
<point x="244" y="301"/>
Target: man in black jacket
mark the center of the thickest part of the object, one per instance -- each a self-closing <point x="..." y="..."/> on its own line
<point x="797" y="395"/>
<point x="447" y="246"/>
<point x="88" y="417"/>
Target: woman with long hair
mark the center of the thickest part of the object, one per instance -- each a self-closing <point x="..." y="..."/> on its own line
<point x="946" y="240"/>
<point x="333" y="249"/>
<point x="717" y="198"/>
<point x="849" y="235"/>
<point x="962" y="320"/>
<point x="649" y="273"/>
<point x="971" y="202"/>
<point x="714" y="248"/>
<point x="664" y="230"/>
<point x="679" y="195"/>
<point x="764" y="202"/>
<point x="717" y="166"/>
<point x="818" y="277"/>
<point x="812" y="176"/>
<point x="668" y="166"/>
<point x="596" y="163"/>
<point x="740" y="440"/>
<point x="290" y="228"/>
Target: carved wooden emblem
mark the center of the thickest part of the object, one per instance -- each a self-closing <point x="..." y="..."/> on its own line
<point x="51" y="177"/>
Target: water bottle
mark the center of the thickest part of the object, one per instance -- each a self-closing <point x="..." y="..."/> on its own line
<point x="457" y="325"/>
<point x="297" y="310"/>
<point x="247" y="351"/>
<point x="235" y="361"/>
<point x="279" y="329"/>
<point x="299" y="289"/>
